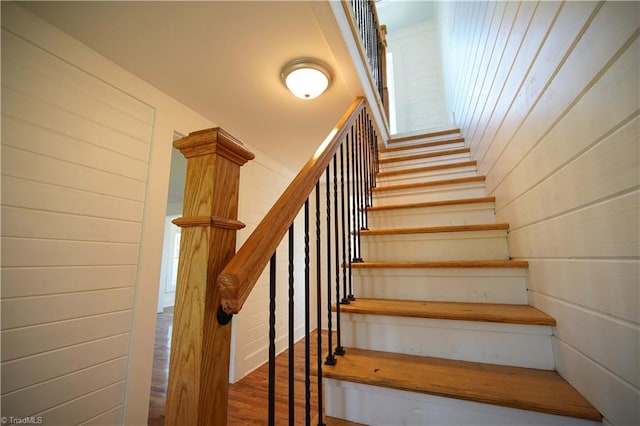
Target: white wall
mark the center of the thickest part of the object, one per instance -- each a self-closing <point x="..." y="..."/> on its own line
<point x="77" y="339"/>
<point x="547" y="95"/>
<point x="417" y="78"/>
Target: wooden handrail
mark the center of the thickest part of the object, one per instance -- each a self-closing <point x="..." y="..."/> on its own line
<point x="240" y="275"/>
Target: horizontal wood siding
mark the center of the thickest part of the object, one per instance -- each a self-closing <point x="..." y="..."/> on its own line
<point x="552" y="117"/>
<point x="75" y="154"/>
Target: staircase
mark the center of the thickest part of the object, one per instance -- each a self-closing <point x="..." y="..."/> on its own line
<point x="441" y="332"/>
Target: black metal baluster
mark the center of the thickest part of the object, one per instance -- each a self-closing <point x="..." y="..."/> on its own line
<point x="272" y="340"/>
<point x="307" y="319"/>
<point x="364" y="28"/>
<point x="367" y="174"/>
<point x="345" y="230"/>
<point x="359" y="19"/>
<point x="370" y="175"/>
<point x="367" y="29"/>
<point x="350" y="204"/>
<point x="374" y="161"/>
<point x="361" y="178"/>
<point x="331" y="360"/>
<point x="376" y="154"/>
<point x="356" y="190"/>
<point x="363" y="173"/>
<point x="339" y="350"/>
<point x="291" y="330"/>
<point x="319" y="304"/>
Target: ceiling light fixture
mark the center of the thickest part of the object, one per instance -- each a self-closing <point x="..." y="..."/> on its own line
<point x="306" y="78"/>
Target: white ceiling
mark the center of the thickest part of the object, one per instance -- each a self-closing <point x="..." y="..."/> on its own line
<point x="400" y="14"/>
<point x="223" y="59"/>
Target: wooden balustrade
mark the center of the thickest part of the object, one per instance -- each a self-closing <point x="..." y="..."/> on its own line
<point x="200" y="346"/>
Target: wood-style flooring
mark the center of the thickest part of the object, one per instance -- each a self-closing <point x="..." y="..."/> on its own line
<point x="248" y="397"/>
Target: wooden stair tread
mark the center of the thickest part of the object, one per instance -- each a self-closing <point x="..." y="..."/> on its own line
<point x="516" y="387"/>
<point x="444" y="264"/>
<point x="427" y="169"/>
<point x="460" y="201"/>
<point x="333" y="421"/>
<point x="430" y="183"/>
<point x="422" y="145"/>
<point x="425" y="155"/>
<point x="462" y="311"/>
<point x="423" y="135"/>
<point x="434" y="229"/>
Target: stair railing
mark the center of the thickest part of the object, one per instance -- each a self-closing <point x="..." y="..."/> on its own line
<point x="338" y="182"/>
<point x="373" y="44"/>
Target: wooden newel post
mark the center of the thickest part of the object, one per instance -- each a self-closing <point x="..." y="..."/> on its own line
<point x="200" y="345"/>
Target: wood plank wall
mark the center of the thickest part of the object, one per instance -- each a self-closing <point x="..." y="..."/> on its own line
<point x="75" y="158"/>
<point x="547" y="95"/>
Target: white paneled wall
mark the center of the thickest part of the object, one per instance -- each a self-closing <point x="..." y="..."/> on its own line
<point x="548" y="97"/>
<point x="75" y="156"/>
<point x="419" y="92"/>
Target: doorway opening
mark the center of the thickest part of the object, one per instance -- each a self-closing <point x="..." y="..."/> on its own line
<point x="167" y="288"/>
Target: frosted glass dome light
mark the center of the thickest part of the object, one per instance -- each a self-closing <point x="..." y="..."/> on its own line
<point x="306" y="78"/>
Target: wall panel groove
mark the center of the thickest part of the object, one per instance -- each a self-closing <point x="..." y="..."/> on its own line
<point x="44" y="141"/>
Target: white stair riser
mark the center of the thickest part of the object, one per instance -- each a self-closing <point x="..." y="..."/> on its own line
<point x="474" y="285"/>
<point x="423" y="162"/>
<point x="468" y="245"/>
<point x="462" y="214"/>
<point x="435" y="175"/>
<point x="422" y="150"/>
<point x="494" y="343"/>
<point x="431" y="193"/>
<point x="422" y="139"/>
<point x="379" y="406"/>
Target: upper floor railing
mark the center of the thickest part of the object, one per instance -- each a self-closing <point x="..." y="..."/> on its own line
<point x="373" y="41"/>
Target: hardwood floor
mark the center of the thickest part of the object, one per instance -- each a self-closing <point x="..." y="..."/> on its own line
<point x="248" y="397"/>
<point x="160" y="373"/>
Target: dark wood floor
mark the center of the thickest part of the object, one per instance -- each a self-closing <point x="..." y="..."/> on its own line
<point x="160" y="374"/>
<point x="248" y="397"/>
